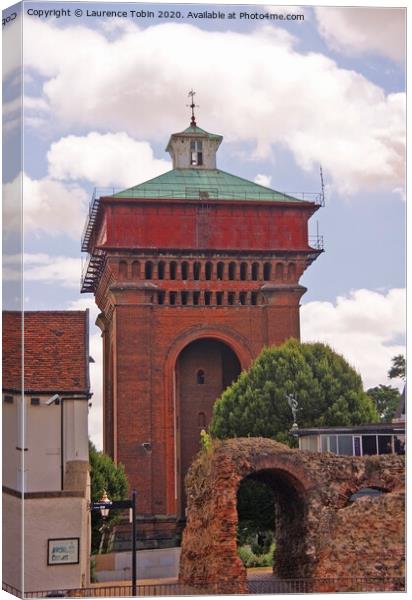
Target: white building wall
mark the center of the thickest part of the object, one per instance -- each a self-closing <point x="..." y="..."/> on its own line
<point x="50" y="518"/>
<point x="12" y="546"/>
<point x="42" y="458"/>
<point x="12" y="457"/>
<point x="75" y="431"/>
<point x="35" y="457"/>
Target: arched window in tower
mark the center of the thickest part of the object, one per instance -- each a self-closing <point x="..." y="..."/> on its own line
<point x="208" y="271"/>
<point x="232" y="270"/>
<point x="267" y="271"/>
<point x="161" y="270"/>
<point x="196" y="271"/>
<point x="148" y="270"/>
<point x="291" y="271"/>
<point x="135" y="269"/>
<point x="255" y="271"/>
<point x="201" y="420"/>
<point x="173" y="270"/>
<point x="279" y="271"/>
<point x="200" y="377"/>
<point x="220" y="270"/>
<point x="196" y="153"/>
<point x="185" y="270"/>
<point x="243" y="271"/>
<point x="123" y="268"/>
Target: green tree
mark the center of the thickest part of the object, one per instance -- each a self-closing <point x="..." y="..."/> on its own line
<point x="398" y="368"/>
<point x="386" y="399"/>
<point x="105" y="475"/>
<point x="329" y="392"/>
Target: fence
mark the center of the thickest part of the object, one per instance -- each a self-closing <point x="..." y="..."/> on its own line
<point x="271" y="585"/>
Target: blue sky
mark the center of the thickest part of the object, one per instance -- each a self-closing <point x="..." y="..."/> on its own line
<point x="102" y="95"/>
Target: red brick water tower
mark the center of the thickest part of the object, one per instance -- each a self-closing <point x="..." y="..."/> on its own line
<point x="194" y="271"/>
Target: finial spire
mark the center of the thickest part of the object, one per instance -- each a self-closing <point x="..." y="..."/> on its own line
<point x="192" y="106"/>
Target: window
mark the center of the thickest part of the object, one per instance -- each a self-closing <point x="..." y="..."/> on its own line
<point x="208" y="271"/>
<point x="329" y="443"/>
<point x="399" y="444"/>
<point x="231" y="298"/>
<point x="242" y="298"/>
<point x="208" y="298"/>
<point x="196" y="298"/>
<point x="196" y="271"/>
<point x="123" y="268"/>
<point x="172" y="298"/>
<point x="220" y="270"/>
<point x="185" y="270"/>
<point x="8" y="399"/>
<point x="219" y="298"/>
<point x="200" y="377"/>
<point x="385" y="444"/>
<point x="369" y="444"/>
<point x="161" y="298"/>
<point x="173" y="270"/>
<point x="35" y="401"/>
<point x="184" y="296"/>
<point x="243" y="271"/>
<point x="255" y="271"/>
<point x="161" y="270"/>
<point x="232" y="270"/>
<point x="345" y="445"/>
<point x="196" y="153"/>
<point x="148" y="270"/>
<point x="267" y="270"/>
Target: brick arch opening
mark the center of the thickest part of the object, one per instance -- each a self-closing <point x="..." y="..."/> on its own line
<point x="233" y="340"/>
<point x="319" y="535"/>
<point x="289" y="519"/>
<point x="204" y="368"/>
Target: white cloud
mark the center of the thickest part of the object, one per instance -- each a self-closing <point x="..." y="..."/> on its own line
<point x="305" y="102"/>
<point x="265" y="180"/>
<point x="359" y="30"/>
<point x="43" y="268"/>
<point x="106" y="159"/>
<point x="96" y="370"/>
<point x="12" y="58"/>
<point x="49" y="206"/>
<point x="363" y="326"/>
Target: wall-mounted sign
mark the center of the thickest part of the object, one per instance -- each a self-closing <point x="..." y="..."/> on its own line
<point x="63" y="551"/>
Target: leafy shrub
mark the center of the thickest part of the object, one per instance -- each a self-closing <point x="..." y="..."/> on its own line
<point x="250" y="559"/>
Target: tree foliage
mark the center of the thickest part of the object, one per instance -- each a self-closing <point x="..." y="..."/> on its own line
<point x="398" y="368"/>
<point x="105" y="475"/>
<point x="327" y="388"/>
<point x="386" y="399"/>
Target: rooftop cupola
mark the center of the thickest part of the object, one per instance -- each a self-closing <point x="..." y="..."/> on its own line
<point x="193" y="148"/>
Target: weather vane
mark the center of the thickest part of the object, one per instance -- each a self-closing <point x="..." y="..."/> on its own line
<point x="192" y="106"/>
<point x="293" y="403"/>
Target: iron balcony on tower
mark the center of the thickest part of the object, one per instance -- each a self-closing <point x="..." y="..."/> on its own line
<point x="91" y="271"/>
<point x="91" y="220"/>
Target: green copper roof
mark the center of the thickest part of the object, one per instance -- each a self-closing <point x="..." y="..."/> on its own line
<point x="199" y="131"/>
<point x="203" y="184"/>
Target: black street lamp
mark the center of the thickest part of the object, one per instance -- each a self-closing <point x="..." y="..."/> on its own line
<point x="105" y="505"/>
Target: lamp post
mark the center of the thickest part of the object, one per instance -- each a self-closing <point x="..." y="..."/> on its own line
<point x="105" y="505"/>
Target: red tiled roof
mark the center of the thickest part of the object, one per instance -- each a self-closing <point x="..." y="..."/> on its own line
<point x="56" y="353"/>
